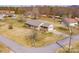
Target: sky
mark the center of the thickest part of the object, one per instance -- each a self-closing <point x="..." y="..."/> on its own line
<point x="38" y="2"/>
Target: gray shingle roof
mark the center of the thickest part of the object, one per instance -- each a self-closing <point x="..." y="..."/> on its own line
<point x="33" y="22"/>
<point x="37" y="23"/>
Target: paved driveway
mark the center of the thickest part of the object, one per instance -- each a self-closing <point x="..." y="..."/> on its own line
<point x="48" y="49"/>
<point x="60" y="33"/>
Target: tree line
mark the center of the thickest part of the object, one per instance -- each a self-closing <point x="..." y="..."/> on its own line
<point x="47" y="10"/>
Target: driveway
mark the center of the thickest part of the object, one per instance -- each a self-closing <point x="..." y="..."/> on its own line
<point x="17" y="48"/>
<point x="59" y="33"/>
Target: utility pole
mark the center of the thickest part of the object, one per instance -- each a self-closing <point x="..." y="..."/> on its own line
<point x="70" y="30"/>
<point x="70" y="41"/>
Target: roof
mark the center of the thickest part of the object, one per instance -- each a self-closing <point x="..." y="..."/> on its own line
<point x="33" y="22"/>
<point x="38" y="23"/>
<point x="69" y="20"/>
<point x="46" y="25"/>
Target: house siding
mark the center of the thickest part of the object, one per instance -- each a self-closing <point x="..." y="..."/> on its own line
<point x="73" y="24"/>
<point x="50" y="28"/>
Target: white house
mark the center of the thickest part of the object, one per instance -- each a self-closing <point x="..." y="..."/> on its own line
<point x="70" y="22"/>
<point x="40" y="25"/>
<point x="2" y="16"/>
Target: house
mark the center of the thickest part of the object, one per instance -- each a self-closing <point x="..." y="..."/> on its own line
<point x="2" y="16"/>
<point x="70" y="22"/>
<point x="40" y="25"/>
<point x="6" y="11"/>
<point x="44" y="16"/>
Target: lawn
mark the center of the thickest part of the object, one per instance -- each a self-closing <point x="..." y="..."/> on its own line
<point x="21" y="37"/>
<point x="14" y="22"/>
<point x="66" y="31"/>
<point x="19" y="34"/>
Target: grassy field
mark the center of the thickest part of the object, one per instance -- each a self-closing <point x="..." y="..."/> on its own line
<point x="20" y="34"/>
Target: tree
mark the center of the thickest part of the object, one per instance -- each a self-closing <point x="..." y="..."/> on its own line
<point x="35" y="12"/>
<point x="33" y="37"/>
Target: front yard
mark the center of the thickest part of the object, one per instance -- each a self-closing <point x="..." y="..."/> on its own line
<point x="19" y="34"/>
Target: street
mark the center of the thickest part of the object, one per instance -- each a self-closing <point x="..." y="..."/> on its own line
<point x="17" y="48"/>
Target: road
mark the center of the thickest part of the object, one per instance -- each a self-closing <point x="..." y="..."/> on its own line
<point x="17" y="48"/>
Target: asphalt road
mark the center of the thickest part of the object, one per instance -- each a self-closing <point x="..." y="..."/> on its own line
<point x="17" y="48"/>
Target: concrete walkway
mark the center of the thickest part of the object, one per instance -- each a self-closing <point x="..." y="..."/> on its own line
<point x="17" y="48"/>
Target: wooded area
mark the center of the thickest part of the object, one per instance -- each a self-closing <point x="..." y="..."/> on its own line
<point x="47" y="10"/>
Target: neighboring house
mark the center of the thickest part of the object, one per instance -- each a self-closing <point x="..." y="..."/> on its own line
<point x="44" y="16"/>
<point x="40" y="25"/>
<point x="6" y="11"/>
<point x="70" y="22"/>
<point x="77" y="19"/>
<point x="2" y="16"/>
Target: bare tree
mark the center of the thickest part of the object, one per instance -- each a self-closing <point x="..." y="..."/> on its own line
<point x="33" y="37"/>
